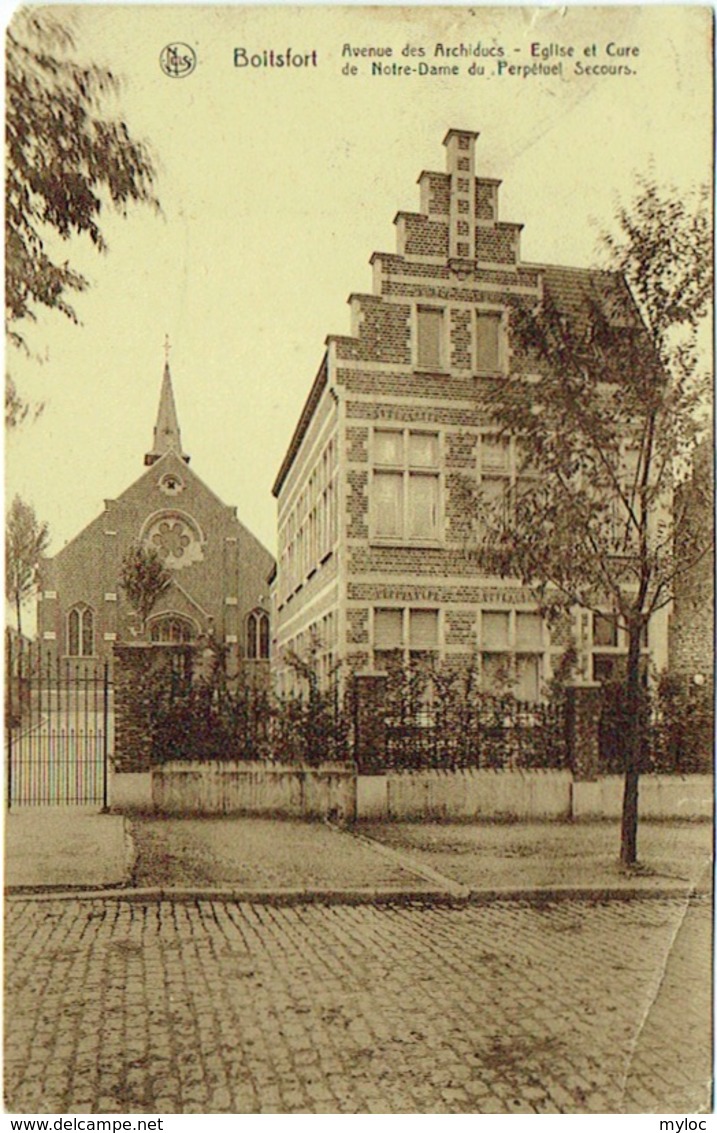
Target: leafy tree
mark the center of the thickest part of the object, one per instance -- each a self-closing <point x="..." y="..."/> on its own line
<point x="663" y="246"/>
<point x="66" y="157"/>
<point x="26" y="542"/>
<point x="16" y="408"/>
<point x="143" y="578"/>
<point x="604" y="404"/>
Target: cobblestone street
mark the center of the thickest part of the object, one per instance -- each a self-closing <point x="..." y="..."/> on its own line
<point x="209" y="1007"/>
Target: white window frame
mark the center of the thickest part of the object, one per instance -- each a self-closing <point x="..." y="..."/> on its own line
<point x="618" y="650"/>
<point x="512" y="650"/>
<point x="406" y="471"/>
<point x="255" y="619"/>
<point x="171" y="617"/>
<point x="512" y="476"/>
<point x="405" y="646"/>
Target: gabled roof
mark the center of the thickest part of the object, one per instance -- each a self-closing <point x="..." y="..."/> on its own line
<point x="304" y="421"/>
<point x="574" y="291"/>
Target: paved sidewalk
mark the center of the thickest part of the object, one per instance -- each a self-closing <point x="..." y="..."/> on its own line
<point x="252" y="856"/>
<point x="553" y="856"/>
<point x="65" y="847"/>
<point x="258" y="855"/>
<point x="264" y="859"/>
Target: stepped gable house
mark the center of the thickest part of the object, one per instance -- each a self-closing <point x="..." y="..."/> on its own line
<point x="372" y="528"/>
<point x="219" y="570"/>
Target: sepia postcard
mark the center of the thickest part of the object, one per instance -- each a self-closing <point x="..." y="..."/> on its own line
<point x="359" y="650"/>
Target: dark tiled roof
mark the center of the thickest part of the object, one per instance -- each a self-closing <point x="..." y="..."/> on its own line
<point x="575" y="290"/>
<point x="303" y="424"/>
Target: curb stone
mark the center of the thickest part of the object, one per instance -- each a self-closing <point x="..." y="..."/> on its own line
<point x="384" y="896"/>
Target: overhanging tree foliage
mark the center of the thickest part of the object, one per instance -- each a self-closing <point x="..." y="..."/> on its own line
<point x="66" y="158"/>
<point x="604" y="404"/>
<point x="143" y="578"/>
<point x="26" y="542"/>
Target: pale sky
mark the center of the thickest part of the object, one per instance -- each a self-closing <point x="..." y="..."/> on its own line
<point x="277" y="186"/>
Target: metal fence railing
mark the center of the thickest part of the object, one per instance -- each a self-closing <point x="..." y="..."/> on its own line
<point x="58" y="721"/>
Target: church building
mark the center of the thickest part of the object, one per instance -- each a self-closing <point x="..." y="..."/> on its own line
<point x="218" y="569"/>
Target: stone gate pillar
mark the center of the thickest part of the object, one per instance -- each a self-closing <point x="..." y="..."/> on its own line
<point x="132" y="667"/>
<point x="584" y="706"/>
<point x="369" y="709"/>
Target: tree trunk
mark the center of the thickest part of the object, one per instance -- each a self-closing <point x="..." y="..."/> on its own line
<point x="18" y="614"/>
<point x="634" y="723"/>
<point x="628" y="834"/>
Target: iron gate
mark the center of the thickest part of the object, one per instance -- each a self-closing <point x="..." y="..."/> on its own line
<point x="58" y="722"/>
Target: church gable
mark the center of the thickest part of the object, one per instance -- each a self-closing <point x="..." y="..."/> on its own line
<point x="218" y="568"/>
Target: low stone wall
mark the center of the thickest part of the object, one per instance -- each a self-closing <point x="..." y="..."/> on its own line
<point x="660" y="796"/>
<point x="130" y="790"/>
<point x="465" y="794"/>
<point x="336" y="791"/>
<point x="289" y="790"/>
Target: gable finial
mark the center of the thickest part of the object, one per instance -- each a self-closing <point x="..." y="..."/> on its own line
<point x="167" y="349"/>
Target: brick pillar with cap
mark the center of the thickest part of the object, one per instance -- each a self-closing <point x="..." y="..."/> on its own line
<point x="369" y="712"/>
<point x="584" y="706"/>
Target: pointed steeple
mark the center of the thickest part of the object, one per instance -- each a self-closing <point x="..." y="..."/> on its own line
<point x="166" y="432"/>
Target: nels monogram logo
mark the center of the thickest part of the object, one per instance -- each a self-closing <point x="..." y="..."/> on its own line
<point x="178" y="60"/>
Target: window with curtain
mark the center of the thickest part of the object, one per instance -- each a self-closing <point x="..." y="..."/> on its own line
<point x="405" y="487"/>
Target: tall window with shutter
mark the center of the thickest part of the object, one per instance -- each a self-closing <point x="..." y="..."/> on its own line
<point x="429" y="338"/>
<point x="488" y="335"/>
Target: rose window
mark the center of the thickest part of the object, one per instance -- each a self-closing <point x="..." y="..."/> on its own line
<point x="171" y="539"/>
<point x="176" y="540"/>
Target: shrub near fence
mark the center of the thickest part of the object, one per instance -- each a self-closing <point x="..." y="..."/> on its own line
<point x="678" y="728"/>
<point x="424" y="719"/>
<point x="245" y="723"/>
<point x="443" y="720"/>
<point x="427" y="720"/>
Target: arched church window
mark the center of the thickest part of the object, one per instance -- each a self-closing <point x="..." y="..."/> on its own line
<point x="171" y="629"/>
<point x="81" y="632"/>
<point x="257" y="636"/>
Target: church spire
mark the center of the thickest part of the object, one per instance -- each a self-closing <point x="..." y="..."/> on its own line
<point x="166" y="431"/>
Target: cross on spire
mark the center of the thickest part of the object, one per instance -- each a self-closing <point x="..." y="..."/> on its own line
<point x="166" y="431"/>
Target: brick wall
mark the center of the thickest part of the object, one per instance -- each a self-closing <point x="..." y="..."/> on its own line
<point x="457" y="255"/>
<point x="691" y="642"/>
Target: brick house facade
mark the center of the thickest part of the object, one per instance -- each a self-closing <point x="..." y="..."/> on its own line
<point x="219" y="570"/>
<point x="375" y="538"/>
<point x="692" y="626"/>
